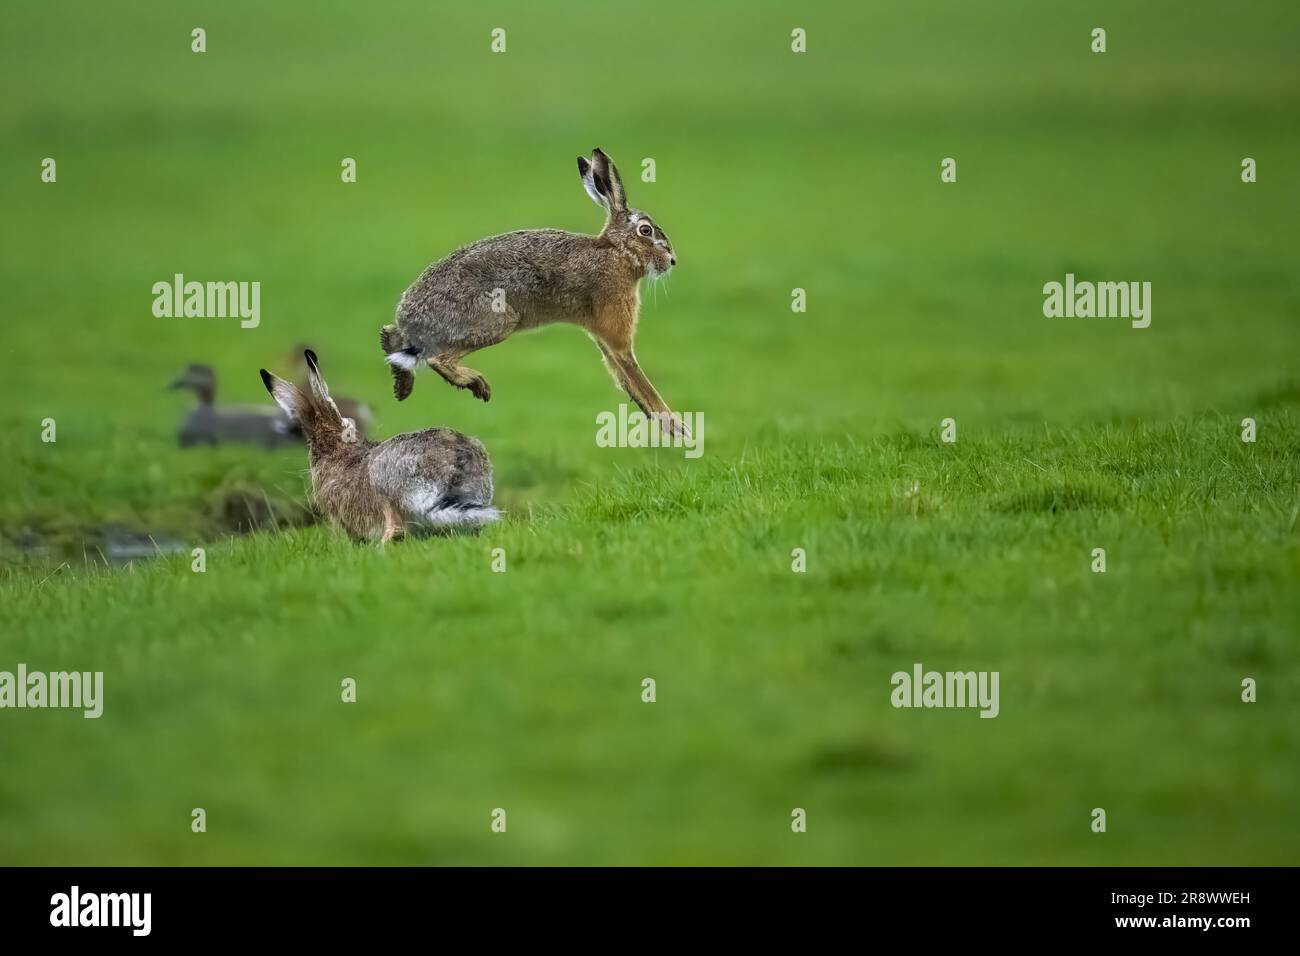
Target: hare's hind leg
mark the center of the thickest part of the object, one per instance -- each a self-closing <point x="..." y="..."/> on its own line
<point x="447" y="364"/>
<point x="402" y="359"/>
<point x="403" y="383"/>
<point x="393" y="525"/>
<point x="475" y="322"/>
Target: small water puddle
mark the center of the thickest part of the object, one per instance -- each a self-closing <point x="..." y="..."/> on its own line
<point x="239" y="510"/>
<point x="113" y="545"/>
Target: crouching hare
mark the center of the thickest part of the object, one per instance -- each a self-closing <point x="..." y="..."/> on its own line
<point x="487" y="291"/>
<point x="426" y="480"/>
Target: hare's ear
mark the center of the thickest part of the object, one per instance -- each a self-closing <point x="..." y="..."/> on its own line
<point x="318" y="387"/>
<point x="286" y="395"/>
<point x="589" y="183"/>
<point x="605" y="175"/>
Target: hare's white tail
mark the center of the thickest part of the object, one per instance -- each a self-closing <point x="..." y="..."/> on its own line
<point x="407" y="359"/>
<point x="440" y="510"/>
<point x="461" y="515"/>
<point x="399" y="352"/>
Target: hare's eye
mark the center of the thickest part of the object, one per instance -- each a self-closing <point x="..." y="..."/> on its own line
<point x="645" y="229"/>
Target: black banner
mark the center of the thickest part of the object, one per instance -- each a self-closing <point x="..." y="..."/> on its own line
<point x="1161" y="906"/>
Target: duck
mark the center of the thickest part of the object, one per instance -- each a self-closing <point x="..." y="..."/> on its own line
<point x="212" y="424"/>
<point x="352" y="408"/>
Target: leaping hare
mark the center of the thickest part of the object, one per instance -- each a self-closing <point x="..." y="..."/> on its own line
<point x="430" y="479"/>
<point x="484" y="292"/>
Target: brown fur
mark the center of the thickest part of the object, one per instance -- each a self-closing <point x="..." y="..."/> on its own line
<point x="547" y="275"/>
<point x="351" y="408"/>
<point x="378" y="491"/>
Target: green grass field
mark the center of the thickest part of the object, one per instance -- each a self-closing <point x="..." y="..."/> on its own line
<point x="522" y="690"/>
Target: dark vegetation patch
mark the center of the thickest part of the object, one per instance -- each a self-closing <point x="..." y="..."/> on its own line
<point x="861" y="756"/>
<point x="1280" y="395"/>
<point x="1059" y="499"/>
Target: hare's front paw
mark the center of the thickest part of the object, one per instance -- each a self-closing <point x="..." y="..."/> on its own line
<point x="672" y="425"/>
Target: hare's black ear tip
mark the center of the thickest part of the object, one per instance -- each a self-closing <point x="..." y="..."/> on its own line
<point x="311" y="359"/>
<point x="582" y="165"/>
<point x="266" y="378"/>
